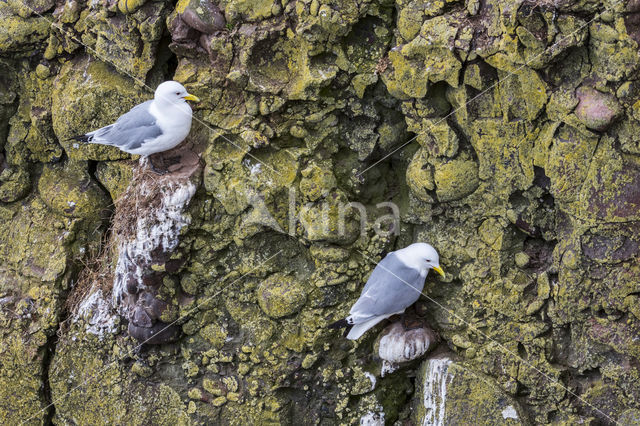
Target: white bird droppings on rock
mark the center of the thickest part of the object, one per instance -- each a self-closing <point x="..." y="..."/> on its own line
<point x="510" y="413"/>
<point x="372" y="419"/>
<point x="372" y="378"/>
<point x="436" y="379"/>
<point x="98" y="313"/>
<point x="388" y="368"/>
<point x="157" y="228"/>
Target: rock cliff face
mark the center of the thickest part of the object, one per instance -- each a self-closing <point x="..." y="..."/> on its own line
<point x="523" y="170"/>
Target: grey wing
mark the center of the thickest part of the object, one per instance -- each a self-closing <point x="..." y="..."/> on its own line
<point x="131" y="130"/>
<point x="391" y="288"/>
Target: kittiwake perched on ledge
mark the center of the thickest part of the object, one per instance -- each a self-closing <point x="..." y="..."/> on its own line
<point x="153" y="126"/>
<point x="394" y="285"/>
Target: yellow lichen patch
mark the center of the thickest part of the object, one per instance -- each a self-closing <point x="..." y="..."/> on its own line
<point x="249" y="9"/>
<point x="214" y="334"/>
<point x="26" y="324"/>
<point x="14" y="184"/>
<point x="317" y="181"/>
<point x="214" y="387"/>
<point x="438" y="138"/>
<point x="530" y="94"/>
<point x="182" y="5"/>
<point x="333" y="220"/>
<point x="281" y="295"/>
<point x="117" y="399"/>
<point x="59" y="189"/>
<point x="456" y="179"/>
<point x="492" y="233"/>
<point x="568" y="164"/>
<point x="428" y="57"/>
<point x="505" y="153"/>
<point x="30" y="135"/>
<point x="251" y="318"/>
<point x="130" y="6"/>
<point x="36" y="244"/>
<point x="21" y="34"/>
<point x="420" y="177"/>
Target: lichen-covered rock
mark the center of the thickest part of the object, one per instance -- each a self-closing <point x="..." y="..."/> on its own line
<point x="127" y="400"/>
<point x="567" y="165"/>
<point x="8" y="97"/>
<point x="429" y="57"/>
<point x="115" y="176"/>
<point x="30" y="137"/>
<point x="503" y="148"/>
<point x="201" y="15"/>
<point x="21" y="34"/>
<point x="14" y="184"/>
<point x="317" y="181"/>
<point x="630" y="417"/>
<point x="39" y="244"/>
<point x="251" y="10"/>
<point x="280" y="295"/>
<point x="450" y="393"/>
<point x="595" y="109"/>
<point x="27" y="325"/>
<point x="420" y="176"/>
<point x="608" y="193"/>
<point x="331" y="220"/>
<point x="129" y="42"/>
<point x="70" y="191"/>
<point x="456" y="179"/>
<point x="130" y="6"/>
<point x="440" y="140"/>
<point x="78" y="108"/>
<point x="504" y="133"/>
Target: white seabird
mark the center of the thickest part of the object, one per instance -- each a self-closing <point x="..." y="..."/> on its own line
<point x="153" y="126"/>
<point x="394" y="285"/>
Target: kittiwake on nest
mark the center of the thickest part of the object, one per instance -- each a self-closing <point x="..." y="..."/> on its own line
<point x="394" y="285"/>
<point x="153" y="126"/>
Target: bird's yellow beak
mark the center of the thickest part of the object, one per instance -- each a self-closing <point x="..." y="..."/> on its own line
<point x="439" y="270"/>
<point x="191" y="97"/>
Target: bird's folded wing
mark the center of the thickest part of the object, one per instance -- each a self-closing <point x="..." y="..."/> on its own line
<point x="131" y="130"/>
<point x="391" y="288"/>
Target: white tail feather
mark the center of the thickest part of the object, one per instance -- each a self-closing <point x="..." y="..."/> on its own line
<point x="359" y="329"/>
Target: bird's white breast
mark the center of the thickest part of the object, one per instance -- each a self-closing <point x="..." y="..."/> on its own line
<point x="175" y="122"/>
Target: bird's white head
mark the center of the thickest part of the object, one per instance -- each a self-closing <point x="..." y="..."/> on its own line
<point x="422" y="255"/>
<point x="173" y="92"/>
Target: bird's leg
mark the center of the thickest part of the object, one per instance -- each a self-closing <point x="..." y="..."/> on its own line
<point x="153" y="167"/>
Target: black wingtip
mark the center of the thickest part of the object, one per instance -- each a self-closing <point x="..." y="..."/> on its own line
<point x="342" y="324"/>
<point x="79" y="138"/>
<point x="339" y="324"/>
<point x="347" y="330"/>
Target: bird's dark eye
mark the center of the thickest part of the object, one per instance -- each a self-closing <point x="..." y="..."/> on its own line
<point x="177" y="93"/>
<point x="428" y="260"/>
